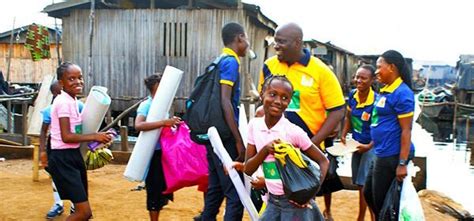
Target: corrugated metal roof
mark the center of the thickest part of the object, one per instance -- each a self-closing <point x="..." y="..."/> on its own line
<point x="63" y="9"/>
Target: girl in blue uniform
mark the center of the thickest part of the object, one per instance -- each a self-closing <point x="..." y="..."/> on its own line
<point x="358" y="119"/>
<point x="392" y="119"/>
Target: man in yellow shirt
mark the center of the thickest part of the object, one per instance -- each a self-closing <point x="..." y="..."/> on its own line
<point x="317" y="90"/>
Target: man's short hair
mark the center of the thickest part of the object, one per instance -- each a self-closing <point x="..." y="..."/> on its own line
<point x="230" y="31"/>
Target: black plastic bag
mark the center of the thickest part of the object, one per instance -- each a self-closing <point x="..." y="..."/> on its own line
<point x="391" y="203"/>
<point x="300" y="184"/>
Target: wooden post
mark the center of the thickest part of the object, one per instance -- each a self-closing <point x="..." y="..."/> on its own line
<point x="152" y="4"/>
<point x="24" y="118"/>
<point x="124" y="138"/>
<point x="10" y="49"/>
<point x="9" y="117"/>
<point x="35" y="143"/>
<point x="251" y="111"/>
<point x="108" y="117"/>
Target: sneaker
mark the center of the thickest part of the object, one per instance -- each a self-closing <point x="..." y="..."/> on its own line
<point x="55" y="211"/>
<point x="72" y="210"/>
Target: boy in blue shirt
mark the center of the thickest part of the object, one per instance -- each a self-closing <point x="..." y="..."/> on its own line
<point x="220" y="185"/>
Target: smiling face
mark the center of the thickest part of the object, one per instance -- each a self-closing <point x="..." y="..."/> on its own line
<point x="363" y="79"/>
<point x="384" y="71"/>
<point x="71" y="80"/>
<point x="276" y="98"/>
<point x="288" y="43"/>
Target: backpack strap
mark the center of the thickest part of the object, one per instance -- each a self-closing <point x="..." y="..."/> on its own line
<point x="216" y="62"/>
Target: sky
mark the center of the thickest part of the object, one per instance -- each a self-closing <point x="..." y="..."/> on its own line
<point x="425" y="30"/>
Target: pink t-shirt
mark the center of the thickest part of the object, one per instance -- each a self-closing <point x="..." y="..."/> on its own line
<point x="260" y="135"/>
<point x="64" y="106"/>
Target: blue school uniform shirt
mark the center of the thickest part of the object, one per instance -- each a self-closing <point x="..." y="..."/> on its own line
<point x="143" y="110"/>
<point x="361" y="115"/>
<point x="394" y="101"/>
<point x="229" y="71"/>
<point x="47" y="112"/>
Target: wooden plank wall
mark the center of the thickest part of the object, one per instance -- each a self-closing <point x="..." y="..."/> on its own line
<point x="23" y="69"/>
<point x="131" y="44"/>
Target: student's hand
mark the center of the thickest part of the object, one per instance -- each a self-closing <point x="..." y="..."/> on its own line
<point x="306" y="205"/>
<point x="44" y="159"/>
<point x="172" y="122"/>
<point x="363" y="148"/>
<point x="343" y="139"/>
<point x="239" y="166"/>
<point x="258" y="183"/>
<point x="241" y="151"/>
<point x="236" y="165"/>
<point x="103" y="137"/>
<point x="259" y="112"/>
<point x="270" y="148"/>
<point x="401" y="172"/>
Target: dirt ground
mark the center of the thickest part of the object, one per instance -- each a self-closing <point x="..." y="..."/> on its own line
<point x="112" y="199"/>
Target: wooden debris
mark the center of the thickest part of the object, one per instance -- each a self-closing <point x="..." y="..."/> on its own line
<point x="444" y="204"/>
<point x="8" y="142"/>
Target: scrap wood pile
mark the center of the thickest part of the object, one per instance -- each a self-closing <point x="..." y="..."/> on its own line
<point x="444" y="204"/>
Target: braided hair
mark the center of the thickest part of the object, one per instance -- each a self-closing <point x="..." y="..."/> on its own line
<point x="152" y="80"/>
<point x="271" y="78"/>
<point x="62" y="69"/>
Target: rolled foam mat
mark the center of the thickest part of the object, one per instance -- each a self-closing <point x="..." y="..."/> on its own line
<point x="137" y="167"/>
<point x="95" y="108"/>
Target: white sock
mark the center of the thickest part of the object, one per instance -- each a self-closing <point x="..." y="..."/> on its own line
<point x="57" y="198"/>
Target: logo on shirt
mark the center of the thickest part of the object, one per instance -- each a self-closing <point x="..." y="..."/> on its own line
<point x="381" y="102"/>
<point x="78" y="129"/>
<point x="365" y="116"/>
<point x="270" y="170"/>
<point x="307" y="81"/>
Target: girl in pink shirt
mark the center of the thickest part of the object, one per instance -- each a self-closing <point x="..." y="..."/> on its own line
<point x="266" y="131"/>
<point x="65" y="162"/>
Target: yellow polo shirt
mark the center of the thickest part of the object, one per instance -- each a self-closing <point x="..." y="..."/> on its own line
<point x="316" y="90"/>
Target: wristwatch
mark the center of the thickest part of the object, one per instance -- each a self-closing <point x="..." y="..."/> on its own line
<point x="403" y="162"/>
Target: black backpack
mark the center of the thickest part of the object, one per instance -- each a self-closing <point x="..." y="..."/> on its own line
<point x="203" y="108"/>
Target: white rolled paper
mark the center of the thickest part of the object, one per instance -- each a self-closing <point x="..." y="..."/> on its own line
<point x="243" y="124"/>
<point x="221" y="152"/>
<point x="137" y="167"/>
<point x="95" y="108"/>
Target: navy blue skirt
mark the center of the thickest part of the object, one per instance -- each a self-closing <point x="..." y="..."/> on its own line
<point x="69" y="173"/>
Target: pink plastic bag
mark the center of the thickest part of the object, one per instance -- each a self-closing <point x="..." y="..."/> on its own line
<point x="184" y="162"/>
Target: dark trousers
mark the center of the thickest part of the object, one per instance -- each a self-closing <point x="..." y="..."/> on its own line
<point x="380" y="177"/>
<point x="221" y="186"/>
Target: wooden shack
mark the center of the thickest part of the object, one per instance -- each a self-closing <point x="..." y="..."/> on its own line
<point x="344" y="63"/>
<point x="22" y="68"/>
<point x="135" y="38"/>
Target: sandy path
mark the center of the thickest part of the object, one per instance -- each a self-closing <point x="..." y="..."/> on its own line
<point x="111" y="198"/>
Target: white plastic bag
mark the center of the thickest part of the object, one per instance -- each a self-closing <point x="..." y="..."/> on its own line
<point x="410" y="205"/>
